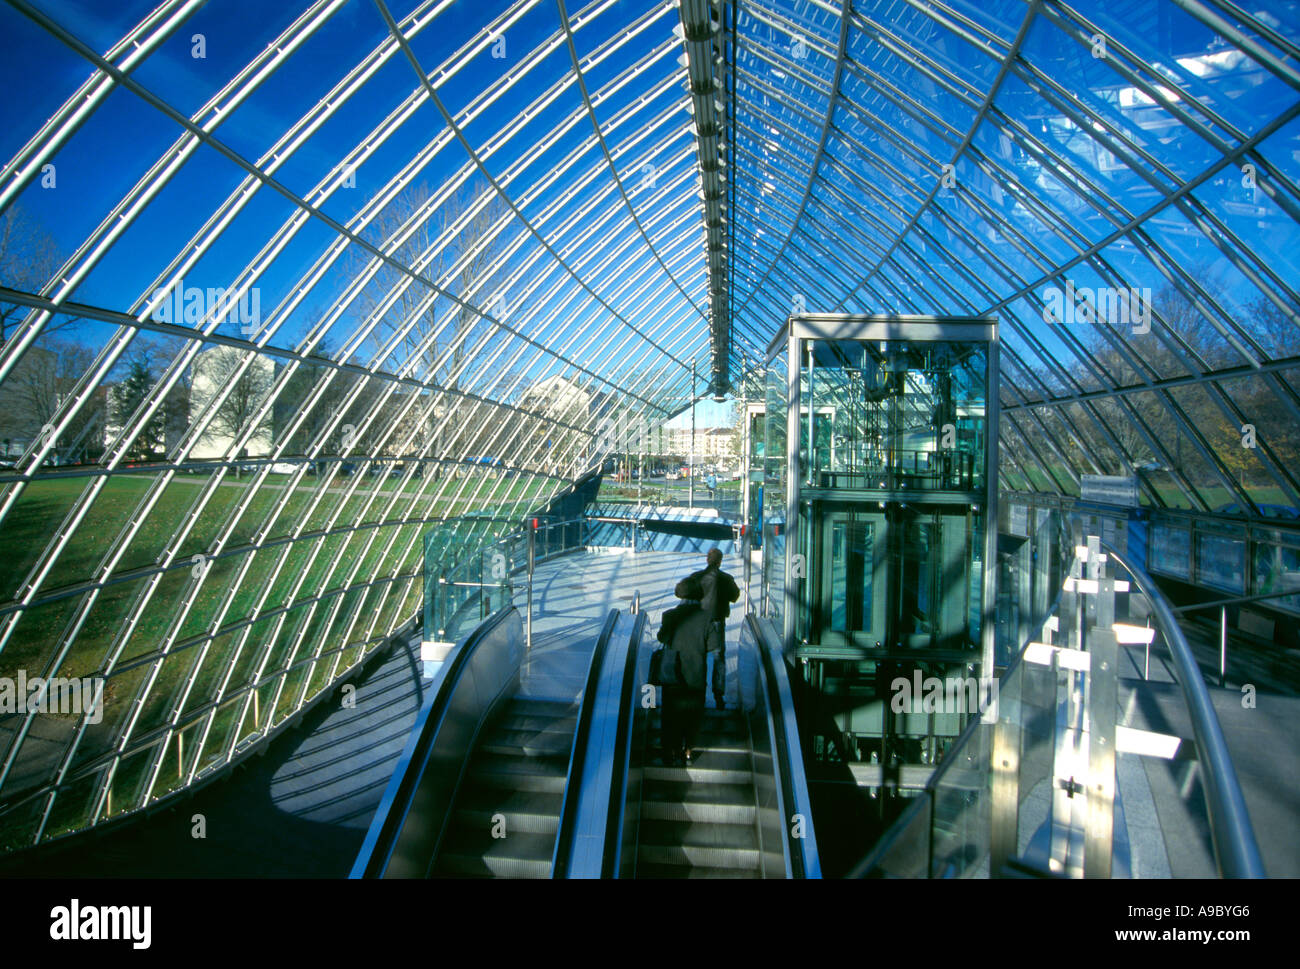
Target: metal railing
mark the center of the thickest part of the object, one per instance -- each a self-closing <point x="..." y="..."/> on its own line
<point x="968" y="818"/>
<point x="472" y="565"/>
<point x="408" y="825"/>
<point x="1235" y="849"/>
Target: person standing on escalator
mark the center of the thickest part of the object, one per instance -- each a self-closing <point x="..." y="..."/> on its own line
<point x="685" y="628"/>
<point x="719" y="591"/>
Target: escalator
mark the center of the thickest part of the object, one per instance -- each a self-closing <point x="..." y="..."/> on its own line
<point x="701" y="820"/>
<point x="495" y="783"/>
<point x="740" y="808"/>
<point x="506" y="816"/>
<point x="483" y="788"/>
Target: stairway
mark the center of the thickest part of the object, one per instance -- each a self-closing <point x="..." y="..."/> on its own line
<point x="514" y="784"/>
<point x="700" y="821"/>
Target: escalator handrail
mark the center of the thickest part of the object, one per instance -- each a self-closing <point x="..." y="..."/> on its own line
<point x="1235" y="847"/>
<point x="577" y="756"/>
<point x="611" y="857"/>
<point x="396" y="803"/>
<point x="792" y="780"/>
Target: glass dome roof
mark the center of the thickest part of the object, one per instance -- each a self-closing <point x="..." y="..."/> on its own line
<point x="278" y="282"/>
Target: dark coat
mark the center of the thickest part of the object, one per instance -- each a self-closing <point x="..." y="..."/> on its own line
<point x="685" y="627"/>
<point x="720" y="590"/>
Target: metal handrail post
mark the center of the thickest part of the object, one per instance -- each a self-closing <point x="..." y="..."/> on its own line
<point x="1223" y="646"/>
<point x="528" y="619"/>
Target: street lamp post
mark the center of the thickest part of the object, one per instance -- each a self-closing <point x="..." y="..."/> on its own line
<point x="690" y="499"/>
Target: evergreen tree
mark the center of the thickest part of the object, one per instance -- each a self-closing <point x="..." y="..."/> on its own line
<point x="126" y="399"/>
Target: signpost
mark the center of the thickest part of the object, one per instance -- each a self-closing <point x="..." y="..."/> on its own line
<point x="1109" y="490"/>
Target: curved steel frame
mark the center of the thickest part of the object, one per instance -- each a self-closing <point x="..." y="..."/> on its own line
<point x="796" y="148"/>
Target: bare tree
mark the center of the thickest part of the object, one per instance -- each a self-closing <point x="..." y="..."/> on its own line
<point x="29" y="257"/>
<point x="37" y="386"/>
<point x="218" y="369"/>
<point x="437" y="336"/>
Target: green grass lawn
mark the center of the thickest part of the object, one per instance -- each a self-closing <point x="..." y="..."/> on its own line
<point x="248" y="583"/>
<point x="1215" y="495"/>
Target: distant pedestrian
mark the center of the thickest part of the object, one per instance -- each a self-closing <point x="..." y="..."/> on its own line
<point x="685" y="628"/>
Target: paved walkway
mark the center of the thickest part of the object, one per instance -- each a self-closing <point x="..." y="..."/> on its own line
<point x="572" y="596"/>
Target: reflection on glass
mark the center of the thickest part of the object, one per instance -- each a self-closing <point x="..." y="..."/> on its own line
<point x="1221" y="562"/>
<point x="851" y="574"/>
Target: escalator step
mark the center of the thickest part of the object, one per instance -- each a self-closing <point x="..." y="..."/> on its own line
<point x="532" y="811"/>
<point x="651" y="870"/>
<point x="698" y="811"/>
<point x="696" y="774"/>
<point x="474" y="852"/>
<point x="475" y="797"/>
<point x="688" y="834"/>
<point x="529" y="707"/>
<point x="511" y="721"/>
<point x="698" y="856"/>
<point x="686" y="792"/>
<point x="710" y="767"/>
<point x="517" y="774"/>
<point x="527" y="743"/>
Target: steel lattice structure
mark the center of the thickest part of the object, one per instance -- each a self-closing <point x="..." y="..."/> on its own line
<point x="430" y="239"/>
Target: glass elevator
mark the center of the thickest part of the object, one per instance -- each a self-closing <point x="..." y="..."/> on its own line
<point x="879" y="535"/>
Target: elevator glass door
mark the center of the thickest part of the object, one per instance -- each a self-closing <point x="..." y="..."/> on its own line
<point x="851" y="607"/>
<point x="903" y="577"/>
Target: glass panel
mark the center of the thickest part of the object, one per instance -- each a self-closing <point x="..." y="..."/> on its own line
<point x="1277" y="569"/>
<point x="1170" y="551"/>
<point x="773" y="496"/>
<point x="852" y="574"/>
<point x="894" y="415"/>
<point x="1221" y="562"/>
<point x="962" y="809"/>
<point x="127" y="790"/>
